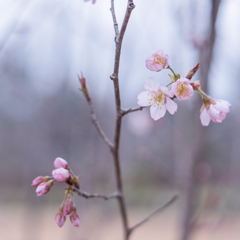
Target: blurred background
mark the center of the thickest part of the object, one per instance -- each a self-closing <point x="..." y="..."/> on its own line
<point x="44" y="44"/>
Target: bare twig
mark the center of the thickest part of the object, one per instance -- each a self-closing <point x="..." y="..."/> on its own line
<point x="130" y="230"/>
<point x="114" y="77"/>
<point x="124" y="112"/>
<point x="114" y="20"/>
<point x="99" y="128"/>
<point x="97" y="195"/>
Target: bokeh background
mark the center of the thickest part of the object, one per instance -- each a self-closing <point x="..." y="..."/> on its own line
<point x="44" y="44"/>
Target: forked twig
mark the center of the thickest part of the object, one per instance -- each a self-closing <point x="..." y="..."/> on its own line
<point x="124" y="112"/>
<point x="130" y="230"/>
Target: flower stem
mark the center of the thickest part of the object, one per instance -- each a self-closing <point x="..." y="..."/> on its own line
<point x="175" y="75"/>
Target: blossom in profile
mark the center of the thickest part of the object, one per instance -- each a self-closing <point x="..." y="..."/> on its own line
<point x="60" y="163"/>
<point x="157" y="61"/>
<point x="215" y="110"/>
<point x="60" y="218"/>
<point x="61" y="174"/>
<point x="158" y="97"/>
<point x="43" y="188"/>
<point x="182" y="89"/>
<point x="74" y="218"/>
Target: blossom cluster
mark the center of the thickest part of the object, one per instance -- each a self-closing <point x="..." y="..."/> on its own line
<point x="61" y="173"/>
<point x="160" y="98"/>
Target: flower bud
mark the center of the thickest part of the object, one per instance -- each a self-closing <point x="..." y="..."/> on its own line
<point x="61" y="174"/>
<point x="60" y="218"/>
<point x="196" y="85"/>
<point x="39" y="180"/>
<point x="192" y="72"/>
<point x="60" y="163"/>
<point x="84" y="88"/>
<point x="68" y="205"/>
<point x="44" y="188"/>
<point x="74" y="218"/>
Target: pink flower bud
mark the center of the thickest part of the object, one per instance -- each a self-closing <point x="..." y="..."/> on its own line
<point x="43" y="188"/>
<point x="68" y="206"/>
<point x="60" y="163"/>
<point x="157" y="61"/>
<point x="61" y="174"/>
<point x="39" y="180"/>
<point x="182" y="89"/>
<point x="74" y="218"/>
<point x="192" y="72"/>
<point x="60" y="218"/>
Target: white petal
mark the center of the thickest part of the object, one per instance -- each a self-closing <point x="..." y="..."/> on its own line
<point x="171" y="106"/>
<point x="145" y="99"/>
<point x="204" y="117"/>
<point x="151" y="84"/>
<point x="157" y="111"/>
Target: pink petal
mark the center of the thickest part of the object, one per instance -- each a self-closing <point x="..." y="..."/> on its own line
<point x="171" y="105"/>
<point x="151" y="84"/>
<point x="204" y="117"/>
<point x="157" y="111"/>
<point x="145" y="99"/>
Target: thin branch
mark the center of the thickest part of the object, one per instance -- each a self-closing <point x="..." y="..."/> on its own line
<point x="98" y="126"/>
<point x="114" y="20"/>
<point x="97" y="195"/>
<point x="154" y="213"/>
<point x="124" y="112"/>
<point x="114" y="77"/>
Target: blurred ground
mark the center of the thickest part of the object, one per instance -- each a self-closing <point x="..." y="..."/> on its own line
<point x="32" y="218"/>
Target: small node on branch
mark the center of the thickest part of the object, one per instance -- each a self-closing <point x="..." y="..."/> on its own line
<point x="113" y="77"/>
<point x="131" y="5"/>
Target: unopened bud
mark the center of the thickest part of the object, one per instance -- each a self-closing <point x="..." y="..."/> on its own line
<point x="196" y="85"/>
<point x="84" y="88"/>
<point x="61" y="174"/>
<point x="60" y="162"/>
<point x="44" y="188"/>
<point x="74" y="218"/>
<point x="68" y="205"/>
<point x="39" y="180"/>
<point x="60" y="218"/>
<point x="192" y="72"/>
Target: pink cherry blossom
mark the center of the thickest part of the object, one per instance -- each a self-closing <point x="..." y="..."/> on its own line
<point x="74" y="218"/>
<point x="157" y="61"/>
<point x="158" y="97"/>
<point x="60" y="163"/>
<point x="61" y="174"/>
<point x="60" y="218"/>
<point x="215" y="110"/>
<point x="43" y="188"/>
<point x="39" y="180"/>
<point x="182" y="89"/>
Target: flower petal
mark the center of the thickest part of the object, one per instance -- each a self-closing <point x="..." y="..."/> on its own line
<point x="204" y="117"/>
<point x="171" y="105"/>
<point x="157" y="111"/>
<point x="151" y="84"/>
<point x="145" y="99"/>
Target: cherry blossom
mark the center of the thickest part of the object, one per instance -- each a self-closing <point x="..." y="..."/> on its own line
<point x="39" y="180"/>
<point x="158" y="97"/>
<point x="43" y="188"/>
<point x="60" y="174"/>
<point x="60" y="163"/>
<point x="182" y="89"/>
<point x="60" y="218"/>
<point x="157" y="61"/>
<point x="215" y="110"/>
<point x="74" y="218"/>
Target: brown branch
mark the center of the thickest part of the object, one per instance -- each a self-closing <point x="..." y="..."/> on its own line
<point x="114" y="20"/>
<point x="124" y="112"/>
<point x="154" y="213"/>
<point x="97" y="195"/>
<point x="114" y="77"/>
<point x="98" y="126"/>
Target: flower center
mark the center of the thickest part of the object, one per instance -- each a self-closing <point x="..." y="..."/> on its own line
<point x="159" y="60"/>
<point x="182" y="90"/>
<point x="159" y="99"/>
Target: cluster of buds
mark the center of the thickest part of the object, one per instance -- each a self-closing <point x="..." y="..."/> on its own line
<point x="61" y="173"/>
<point x="160" y="98"/>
